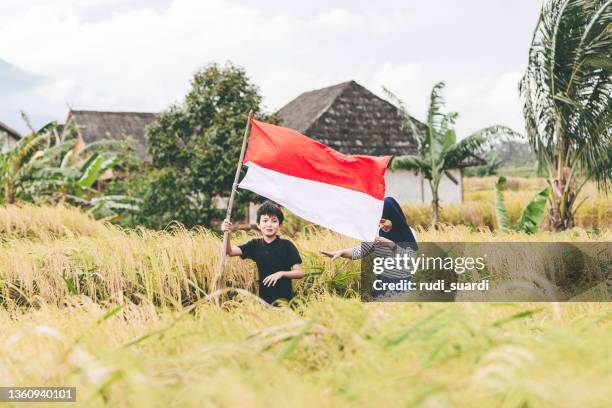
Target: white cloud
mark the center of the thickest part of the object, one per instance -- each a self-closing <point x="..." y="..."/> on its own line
<point x="491" y="100"/>
<point x="131" y="55"/>
<point x="339" y="19"/>
<point x="407" y="81"/>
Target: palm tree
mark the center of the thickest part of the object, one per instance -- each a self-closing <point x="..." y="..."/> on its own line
<point x="438" y="148"/>
<point x="566" y="91"/>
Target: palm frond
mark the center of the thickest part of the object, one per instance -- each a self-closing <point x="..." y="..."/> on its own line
<point x="567" y="85"/>
<point x="411" y="162"/>
<point x="451" y="177"/>
<point x="477" y="143"/>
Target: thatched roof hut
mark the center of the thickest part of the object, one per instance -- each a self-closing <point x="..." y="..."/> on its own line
<point x="95" y="125"/>
<point x="13" y="135"/>
<point x="350" y="119"/>
<point x="353" y="120"/>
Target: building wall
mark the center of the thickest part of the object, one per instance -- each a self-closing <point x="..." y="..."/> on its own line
<point x="407" y="187"/>
<point x="11" y="141"/>
<point x="8" y="138"/>
<point x="404" y="186"/>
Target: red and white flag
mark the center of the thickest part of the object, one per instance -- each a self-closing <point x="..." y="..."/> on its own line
<point x="343" y="193"/>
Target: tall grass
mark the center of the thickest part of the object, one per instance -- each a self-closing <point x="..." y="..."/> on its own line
<point x="328" y="352"/>
<point x="114" y="313"/>
<point x="478" y="210"/>
<point x="512" y="183"/>
<point x="478" y="207"/>
<point x="49" y="259"/>
<point x="46" y="223"/>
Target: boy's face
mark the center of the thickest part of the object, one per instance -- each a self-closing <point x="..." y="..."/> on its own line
<point x="268" y="225"/>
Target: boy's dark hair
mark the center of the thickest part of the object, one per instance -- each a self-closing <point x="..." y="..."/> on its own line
<point x="269" y="208"/>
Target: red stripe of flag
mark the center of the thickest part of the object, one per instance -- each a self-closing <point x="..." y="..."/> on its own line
<point x="289" y="152"/>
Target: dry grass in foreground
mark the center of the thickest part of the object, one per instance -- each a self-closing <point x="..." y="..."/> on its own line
<point x="122" y="316"/>
<point x="328" y="352"/>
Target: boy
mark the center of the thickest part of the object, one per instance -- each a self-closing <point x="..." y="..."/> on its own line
<point x="277" y="259"/>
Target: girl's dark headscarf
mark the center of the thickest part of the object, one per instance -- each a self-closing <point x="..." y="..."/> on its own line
<point x="400" y="232"/>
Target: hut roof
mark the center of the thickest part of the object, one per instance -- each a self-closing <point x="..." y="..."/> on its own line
<point x="96" y="125"/>
<point x="9" y="131"/>
<point x="353" y="120"/>
<point x="350" y="119"/>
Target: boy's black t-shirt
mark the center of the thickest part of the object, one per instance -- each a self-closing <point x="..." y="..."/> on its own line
<point x="278" y="255"/>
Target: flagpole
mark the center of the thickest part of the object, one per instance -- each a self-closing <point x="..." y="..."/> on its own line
<point x="219" y="278"/>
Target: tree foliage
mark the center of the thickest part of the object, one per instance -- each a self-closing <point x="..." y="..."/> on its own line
<point x="567" y="107"/>
<point x="195" y="146"/>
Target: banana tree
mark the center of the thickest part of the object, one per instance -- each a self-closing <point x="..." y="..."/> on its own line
<point x="532" y="215"/>
<point x="14" y="159"/>
<point x="46" y="168"/>
<point x="567" y="107"/>
<point x="438" y="148"/>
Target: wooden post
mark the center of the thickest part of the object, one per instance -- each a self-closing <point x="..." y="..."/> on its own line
<point x="219" y="278"/>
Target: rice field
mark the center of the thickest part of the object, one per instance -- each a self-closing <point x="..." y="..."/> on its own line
<point x="124" y="316"/>
<point x="51" y="253"/>
<point x="478" y="207"/>
<point x="329" y="352"/>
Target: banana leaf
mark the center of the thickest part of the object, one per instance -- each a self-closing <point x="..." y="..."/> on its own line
<point x="91" y="171"/>
<point x="500" y="207"/>
<point x="533" y="214"/>
<point x="94" y="168"/>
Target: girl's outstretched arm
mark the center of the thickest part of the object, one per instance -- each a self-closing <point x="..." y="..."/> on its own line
<point x="344" y="253"/>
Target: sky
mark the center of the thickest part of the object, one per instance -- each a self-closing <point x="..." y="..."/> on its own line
<point x="139" y="55"/>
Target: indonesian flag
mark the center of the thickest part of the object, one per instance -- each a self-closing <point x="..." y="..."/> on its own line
<point x="340" y="192"/>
